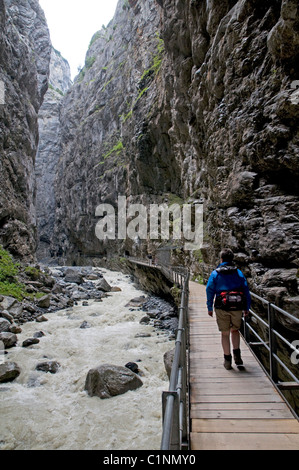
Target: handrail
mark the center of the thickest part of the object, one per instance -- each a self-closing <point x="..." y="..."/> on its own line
<point x="271" y="344"/>
<point x="175" y="406"/>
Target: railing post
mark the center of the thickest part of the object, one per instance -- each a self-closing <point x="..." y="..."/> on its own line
<point x="171" y="413"/>
<point x="272" y="344"/>
<point x="246" y="329"/>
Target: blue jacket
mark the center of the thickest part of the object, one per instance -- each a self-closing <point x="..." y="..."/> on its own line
<point x="219" y="282"/>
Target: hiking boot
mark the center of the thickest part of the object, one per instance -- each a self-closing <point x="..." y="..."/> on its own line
<point x="237" y="357"/>
<point x="227" y="361"/>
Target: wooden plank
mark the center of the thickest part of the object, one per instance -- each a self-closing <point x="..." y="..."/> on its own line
<point x="244" y="408"/>
<point x="214" y="371"/>
<point x="289" y="426"/>
<point x="246" y="382"/>
<point x="199" y="352"/>
<point x="244" y="441"/>
<point x="259" y="398"/>
<point x="223" y="389"/>
<point x="218" y="377"/>
<point x="239" y="406"/>
<point x="241" y="414"/>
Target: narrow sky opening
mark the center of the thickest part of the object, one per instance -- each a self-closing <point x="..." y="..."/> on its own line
<point x="72" y="24"/>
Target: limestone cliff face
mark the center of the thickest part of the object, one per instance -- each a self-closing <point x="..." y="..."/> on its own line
<point x="236" y="129"/>
<point x="190" y="101"/>
<point x="48" y="152"/>
<point x="24" y="69"/>
<point x="106" y="146"/>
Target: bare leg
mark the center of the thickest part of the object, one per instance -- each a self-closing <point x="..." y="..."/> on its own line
<point x="235" y="339"/>
<point x="225" y="340"/>
<point x="236" y="347"/>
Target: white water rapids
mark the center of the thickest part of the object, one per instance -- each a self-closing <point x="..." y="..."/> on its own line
<point x="44" y="411"/>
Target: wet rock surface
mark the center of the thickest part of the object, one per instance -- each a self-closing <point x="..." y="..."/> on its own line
<point x="9" y="371"/>
<point x="24" y="69"/>
<point x="108" y="380"/>
<point x="48" y="151"/>
<point x="161" y="314"/>
<point x="48" y="366"/>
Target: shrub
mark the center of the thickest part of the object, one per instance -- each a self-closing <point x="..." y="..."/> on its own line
<point x="9" y="272"/>
<point x="8" y="269"/>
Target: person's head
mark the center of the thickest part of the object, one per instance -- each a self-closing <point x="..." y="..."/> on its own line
<point x="227" y="255"/>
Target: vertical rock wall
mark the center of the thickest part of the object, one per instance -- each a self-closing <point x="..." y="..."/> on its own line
<point x="107" y="149"/>
<point x="24" y="69"/>
<point x="234" y="126"/>
<point x="48" y="153"/>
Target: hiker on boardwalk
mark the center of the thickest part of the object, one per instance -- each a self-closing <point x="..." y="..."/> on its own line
<point x="229" y="287"/>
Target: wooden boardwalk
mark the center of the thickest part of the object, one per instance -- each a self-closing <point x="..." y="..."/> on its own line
<point x="231" y="410"/>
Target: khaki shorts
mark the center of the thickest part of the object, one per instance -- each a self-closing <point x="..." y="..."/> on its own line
<point x="227" y="320"/>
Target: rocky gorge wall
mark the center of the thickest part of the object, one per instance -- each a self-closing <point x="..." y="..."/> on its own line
<point x="24" y="69"/>
<point x="106" y="149"/>
<point x="48" y="151"/>
<point x="238" y="61"/>
<point x="189" y="101"/>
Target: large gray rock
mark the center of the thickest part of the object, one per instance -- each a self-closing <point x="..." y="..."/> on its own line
<point x="29" y="342"/>
<point x="44" y="302"/>
<point x="73" y="275"/>
<point x="103" y="285"/>
<point x="9" y="371"/>
<point x="48" y="366"/>
<point x="8" y="339"/>
<point x="12" y="305"/>
<point x="108" y="380"/>
<point x="4" y="325"/>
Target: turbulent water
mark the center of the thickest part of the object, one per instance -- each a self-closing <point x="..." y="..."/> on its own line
<point x="52" y="411"/>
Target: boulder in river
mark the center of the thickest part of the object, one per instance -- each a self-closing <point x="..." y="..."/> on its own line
<point x="103" y="285"/>
<point x="48" y="366"/>
<point x="4" y="325"/>
<point x="44" y="302"/>
<point x="109" y="380"/>
<point x="29" y="342"/>
<point x="137" y="301"/>
<point x="8" y="339"/>
<point x="145" y="320"/>
<point x="9" y="371"/>
<point x="73" y="276"/>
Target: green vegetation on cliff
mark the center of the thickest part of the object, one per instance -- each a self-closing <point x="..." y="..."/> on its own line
<point x="9" y="271"/>
<point x="11" y="274"/>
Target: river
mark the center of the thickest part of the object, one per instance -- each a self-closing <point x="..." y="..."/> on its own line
<point x="44" y="411"/>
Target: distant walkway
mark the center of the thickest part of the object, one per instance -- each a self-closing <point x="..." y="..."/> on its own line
<point x="231" y="410"/>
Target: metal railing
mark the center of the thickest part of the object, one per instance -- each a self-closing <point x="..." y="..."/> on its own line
<point x="175" y="401"/>
<point x="271" y="326"/>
